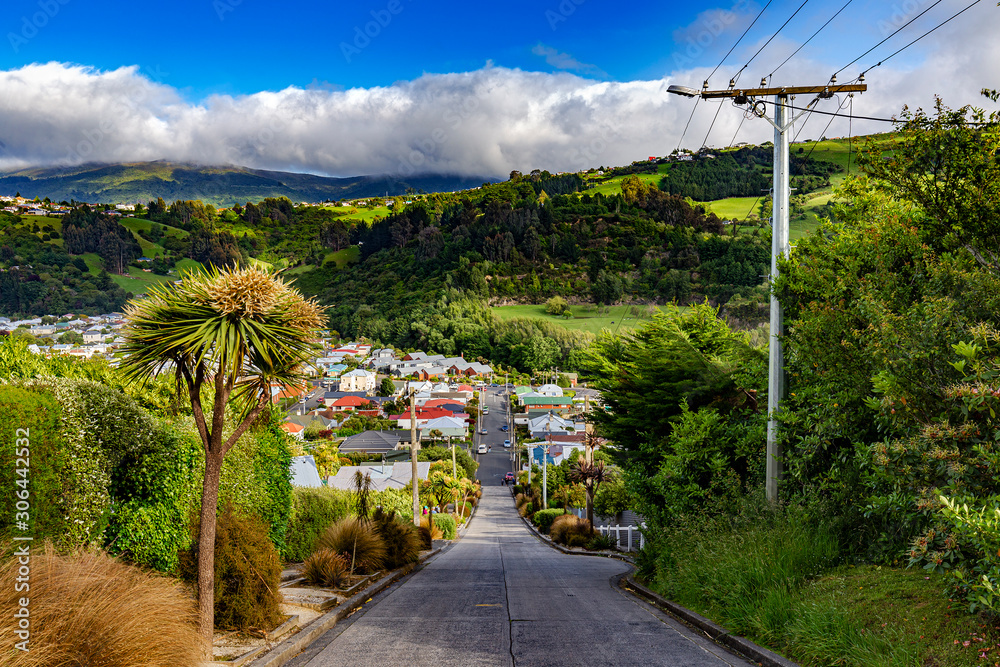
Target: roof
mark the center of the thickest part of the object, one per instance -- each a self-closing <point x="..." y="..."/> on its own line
<point x="304" y="472"/>
<point x="375" y="441"/>
<point x="394" y="476"/>
<point x="432" y="413"/>
<point x="546" y="400"/>
<point x="292" y="427"/>
<point x="351" y="401"/>
<point x="444" y="423"/>
<point x="357" y="372"/>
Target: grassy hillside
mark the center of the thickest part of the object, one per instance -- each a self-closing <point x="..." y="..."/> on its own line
<point x="585" y="318"/>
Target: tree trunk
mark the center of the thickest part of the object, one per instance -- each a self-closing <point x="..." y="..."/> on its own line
<point x="206" y="546"/>
<point x="590" y="503"/>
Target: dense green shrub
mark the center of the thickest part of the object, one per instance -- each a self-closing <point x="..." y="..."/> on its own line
<point x="358" y="541"/>
<point x="447" y="524"/>
<point x="544" y="518"/>
<point x="247" y="571"/>
<point x="39" y="413"/>
<point x="602" y="543"/>
<point x="313" y="511"/>
<point x="402" y="541"/>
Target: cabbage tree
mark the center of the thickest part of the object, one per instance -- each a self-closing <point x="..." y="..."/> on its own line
<point x="226" y="335"/>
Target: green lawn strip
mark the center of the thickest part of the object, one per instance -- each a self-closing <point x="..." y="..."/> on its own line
<point x="362" y="214"/>
<point x="891" y="616"/>
<point x="344" y="256"/>
<point x="141" y="224"/>
<point x="585" y="317"/>
<point x="734" y="207"/>
<point x="613" y="186"/>
<point x="94" y="262"/>
<point x="138" y="281"/>
<point x="186" y="264"/>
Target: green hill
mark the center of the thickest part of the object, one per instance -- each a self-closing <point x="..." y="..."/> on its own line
<point x="219" y="186"/>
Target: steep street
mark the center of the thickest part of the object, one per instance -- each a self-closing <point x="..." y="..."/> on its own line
<point x="501" y="597"/>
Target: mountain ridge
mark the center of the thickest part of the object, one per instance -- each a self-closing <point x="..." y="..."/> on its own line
<point x="131" y="182"/>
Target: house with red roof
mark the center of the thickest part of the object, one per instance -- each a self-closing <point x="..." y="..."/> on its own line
<point x="293" y="429"/>
<point x="345" y="403"/>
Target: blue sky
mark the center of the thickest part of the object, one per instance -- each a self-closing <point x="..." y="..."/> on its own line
<point x="463" y="87"/>
<point x="244" y="46"/>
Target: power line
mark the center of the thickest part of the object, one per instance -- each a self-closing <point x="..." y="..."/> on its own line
<point x="968" y="7"/>
<point x="839" y="115"/>
<point x="738" y="128"/>
<point x="823" y="134"/>
<point x="887" y="38"/>
<point x="771" y="38"/>
<point x="810" y="39"/>
<point x="738" y="41"/>
<point x="705" y="143"/>
<point x="686" y="125"/>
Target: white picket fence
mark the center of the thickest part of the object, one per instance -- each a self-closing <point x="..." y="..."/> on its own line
<point x="628" y="544"/>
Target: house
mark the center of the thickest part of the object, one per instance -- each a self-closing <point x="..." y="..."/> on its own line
<point x="551" y="424"/>
<point x="345" y="403"/>
<point x="424" y="415"/>
<point x="42" y="330"/>
<point x="388" y="476"/>
<point x="542" y="404"/>
<point x="450" y="427"/>
<point x="330" y="397"/>
<point x="357" y="380"/>
<point x="376" y="442"/>
<point x="549" y="390"/>
<point x="304" y="472"/>
<point x="297" y="431"/>
<point x="93" y="336"/>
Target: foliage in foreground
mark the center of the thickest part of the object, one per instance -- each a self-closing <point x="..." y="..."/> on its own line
<point x="247" y="572"/>
<point x="89" y="610"/>
<point x="359" y="543"/>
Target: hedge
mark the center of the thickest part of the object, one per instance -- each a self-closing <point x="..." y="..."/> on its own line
<point x="544" y="518"/>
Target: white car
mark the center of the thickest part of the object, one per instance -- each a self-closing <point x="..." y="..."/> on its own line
<point x="482" y="449"/>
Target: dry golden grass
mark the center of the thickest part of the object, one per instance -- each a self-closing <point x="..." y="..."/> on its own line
<point x="566" y="526"/>
<point x="89" y="610"/>
<point x="327" y="568"/>
<point x="358" y="541"/>
<point x="435" y="532"/>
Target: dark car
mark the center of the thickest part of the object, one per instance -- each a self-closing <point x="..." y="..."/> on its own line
<point x="504" y="428"/>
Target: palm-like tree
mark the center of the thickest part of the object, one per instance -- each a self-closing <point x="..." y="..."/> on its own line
<point x="235" y="332"/>
<point x="591" y="475"/>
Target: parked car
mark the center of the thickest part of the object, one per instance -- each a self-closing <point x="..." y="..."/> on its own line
<point x="506" y="443"/>
<point x="482" y="432"/>
<point x="509" y="477"/>
<point x="504" y="428"/>
<point x="482" y="449"/>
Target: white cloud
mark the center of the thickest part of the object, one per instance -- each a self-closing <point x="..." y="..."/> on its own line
<point x="565" y="61"/>
<point x="485" y="123"/>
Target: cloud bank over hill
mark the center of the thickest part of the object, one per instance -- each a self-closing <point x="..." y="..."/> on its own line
<point x="485" y="122"/>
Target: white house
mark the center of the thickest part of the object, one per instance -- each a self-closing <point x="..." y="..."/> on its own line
<point x="357" y="380"/>
<point x="549" y="390"/>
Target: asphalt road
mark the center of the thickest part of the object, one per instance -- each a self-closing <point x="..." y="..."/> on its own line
<point x="501" y="597"/>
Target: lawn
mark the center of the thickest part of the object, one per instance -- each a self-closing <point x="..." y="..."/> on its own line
<point x="344" y="257"/>
<point x="139" y="224"/>
<point x="613" y="186"/>
<point x="733" y="207"/>
<point x="363" y="214"/>
<point x="138" y="281"/>
<point x="585" y="317"/>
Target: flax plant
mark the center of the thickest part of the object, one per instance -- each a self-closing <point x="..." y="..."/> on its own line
<point x="233" y="332"/>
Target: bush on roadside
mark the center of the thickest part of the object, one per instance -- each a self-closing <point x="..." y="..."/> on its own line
<point x="90" y="609"/>
<point x="526" y="510"/>
<point x="602" y="543"/>
<point x="571" y="530"/>
<point x="544" y="518"/>
<point x="402" y="541"/>
<point x="313" y="511"/>
<point x="327" y="568"/>
<point x="432" y="529"/>
<point x="358" y="541"/>
<point x="426" y="541"/>
<point x="247" y="571"/>
<point x="447" y="524"/>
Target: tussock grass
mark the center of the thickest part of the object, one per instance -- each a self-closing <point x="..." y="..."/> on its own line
<point x="87" y="609"/>
<point x="327" y="568"/>
<point x="358" y="541"/>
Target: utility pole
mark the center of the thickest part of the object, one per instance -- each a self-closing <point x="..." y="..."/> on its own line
<point x="779" y="228"/>
<point x="414" y="449"/>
